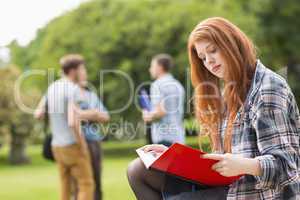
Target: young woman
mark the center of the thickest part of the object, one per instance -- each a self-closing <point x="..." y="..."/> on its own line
<point x="249" y="114"/>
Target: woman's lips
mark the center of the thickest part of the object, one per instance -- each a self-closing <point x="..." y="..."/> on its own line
<point x="216" y="68"/>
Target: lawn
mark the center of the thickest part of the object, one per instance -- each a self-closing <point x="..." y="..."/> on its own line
<point x="39" y="180"/>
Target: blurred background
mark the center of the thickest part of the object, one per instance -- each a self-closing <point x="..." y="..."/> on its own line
<point x="122" y="35"/>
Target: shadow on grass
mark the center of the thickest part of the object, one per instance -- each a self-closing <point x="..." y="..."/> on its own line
<point x="35" y="160"/>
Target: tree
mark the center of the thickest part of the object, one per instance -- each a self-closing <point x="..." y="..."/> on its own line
<point x="13" y="121"/>
<point x="124" y="35"/>
<point x="280" y="29"/>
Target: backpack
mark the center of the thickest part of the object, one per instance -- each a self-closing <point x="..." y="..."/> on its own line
<point x="47" y="148"/>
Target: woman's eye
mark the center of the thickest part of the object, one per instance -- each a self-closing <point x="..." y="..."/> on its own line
<point x="213" y="51"/>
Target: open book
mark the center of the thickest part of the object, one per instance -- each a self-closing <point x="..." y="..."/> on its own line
<point x="147" y="158"/>
<point x="186" y="163"/>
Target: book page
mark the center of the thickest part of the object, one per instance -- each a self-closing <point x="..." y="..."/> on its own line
<point x="147" y="158"/>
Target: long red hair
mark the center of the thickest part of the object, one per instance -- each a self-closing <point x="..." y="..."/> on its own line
<point x="239" y="54"/>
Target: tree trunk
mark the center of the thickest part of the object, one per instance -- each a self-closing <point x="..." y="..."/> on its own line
<point x="17" y="154"/>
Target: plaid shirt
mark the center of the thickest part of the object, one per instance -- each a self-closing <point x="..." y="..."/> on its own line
<point x="269" y="130"/>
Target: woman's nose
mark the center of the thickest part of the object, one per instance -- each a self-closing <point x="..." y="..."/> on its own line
<point x="210" y="59"/>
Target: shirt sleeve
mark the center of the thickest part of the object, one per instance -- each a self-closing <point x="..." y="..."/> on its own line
<point x="169" y="94"/>
<point x="72" y="92"/>
<point x="155" y="94"/>
<point x="97" y="103"/>
<point x="278" y="143"/>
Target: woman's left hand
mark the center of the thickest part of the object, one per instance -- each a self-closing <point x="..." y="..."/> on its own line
<point x="231" y="164"/>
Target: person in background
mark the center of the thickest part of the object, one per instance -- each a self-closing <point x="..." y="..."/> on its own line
<point x="96" y="114"/>
<point x="167" y="102"/>
<point x="68" y="144"/>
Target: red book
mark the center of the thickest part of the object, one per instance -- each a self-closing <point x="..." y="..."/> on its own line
<point x="185" y="162"/>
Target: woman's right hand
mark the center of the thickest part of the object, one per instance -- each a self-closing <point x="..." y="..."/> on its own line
<point x="157" y="148"/>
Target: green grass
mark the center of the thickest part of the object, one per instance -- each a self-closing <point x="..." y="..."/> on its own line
<point x="39" y="180"/>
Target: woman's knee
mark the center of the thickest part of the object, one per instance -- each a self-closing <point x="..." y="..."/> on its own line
<point x="135" y="170"/>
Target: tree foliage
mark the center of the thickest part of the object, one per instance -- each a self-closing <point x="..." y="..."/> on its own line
<point x="14" y="122"/>
<point x="124" y="35"/>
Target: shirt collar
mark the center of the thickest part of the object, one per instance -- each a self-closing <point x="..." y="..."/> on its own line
<point x="259" y="74"/>
<point x="260" y="71"/>
<point x="165" y="76"/>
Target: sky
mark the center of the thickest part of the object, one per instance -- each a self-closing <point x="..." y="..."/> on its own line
<point x="20" y="19"/>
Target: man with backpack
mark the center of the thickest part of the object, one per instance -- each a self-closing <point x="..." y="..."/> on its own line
<point x="68" y="143"/>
